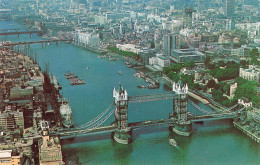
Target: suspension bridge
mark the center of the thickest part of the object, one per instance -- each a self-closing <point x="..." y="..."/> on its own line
<point x="179" y="121"/>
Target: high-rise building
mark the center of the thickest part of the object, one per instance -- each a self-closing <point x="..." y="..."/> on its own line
<point x="229" y="8"/>
<point x="169" y="44"/>
<point x="188" y="17"/>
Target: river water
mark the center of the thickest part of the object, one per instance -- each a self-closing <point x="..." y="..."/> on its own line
<point x="215" y="142"/>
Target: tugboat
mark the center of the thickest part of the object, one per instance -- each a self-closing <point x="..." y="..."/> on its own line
<point x="173" y="142"/>
<point x="66" y="114"/>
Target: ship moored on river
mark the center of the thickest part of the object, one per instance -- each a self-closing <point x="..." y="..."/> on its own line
<point x="66" y="113"/>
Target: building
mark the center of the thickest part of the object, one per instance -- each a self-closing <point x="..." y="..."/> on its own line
<point x="7" y="158"/>
<point x="116" y="16"/>
<point x="229" y="8"/>
<point x="169" y="44"/>
<point x="101" y="20"/>
<point x="251" y="74"/>
<point x="232" y="90"/>
<point x="21" y="93"/>
<point x="160" y="60"/>
<point x="87" y="38"/>
<point x="129" y="48"/>
<point x="11" y="120"/>
<point x="50" y="151"/>
<point x="188" y="17"/>
<point x="163" y="61"/>
<point x="230" y="24"/>
<point x="240" y="52"/>
<point x="187" y="55"/>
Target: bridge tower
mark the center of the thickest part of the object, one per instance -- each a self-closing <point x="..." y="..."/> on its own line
<point x="123" y="133"/>
<point x="182" y="126"/>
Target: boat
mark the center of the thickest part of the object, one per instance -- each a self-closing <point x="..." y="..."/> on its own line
<point x="112" y="59"/>
<point x="150" y="86"/>
<point x="120" y="72"/>
<point x="71" y="76"/>
<point x="141" y="86"/>
<point x="103" y="56"/>
<point x="66" y="113"/>
<point x="77" y="82"/>
<point x="68" y="74"/>
<point x="173" y="142"/>
<point x="137" y="75"/>
<point x="87" y="68"/>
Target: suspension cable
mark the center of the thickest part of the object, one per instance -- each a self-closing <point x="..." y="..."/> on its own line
<point x="95" y="119"/>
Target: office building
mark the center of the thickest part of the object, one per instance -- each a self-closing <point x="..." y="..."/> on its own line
<point x="169" y="44"/>
<point x="229" y="8"/>
<point x="187" y="55"/>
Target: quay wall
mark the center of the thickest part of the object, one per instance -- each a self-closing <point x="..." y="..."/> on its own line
<point x="246" y="131"/>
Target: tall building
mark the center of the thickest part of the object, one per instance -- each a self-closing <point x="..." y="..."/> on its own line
<point x="229" y="8"/>
<point x="169" y="44"/>
<point x="188" y="17"/>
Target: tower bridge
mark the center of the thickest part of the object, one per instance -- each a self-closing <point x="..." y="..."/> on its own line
<point x="179" y="121"/>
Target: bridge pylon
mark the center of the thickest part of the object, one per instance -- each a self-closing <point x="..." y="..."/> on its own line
<point x="182" y="126"/>
<point x="123" y="133"/>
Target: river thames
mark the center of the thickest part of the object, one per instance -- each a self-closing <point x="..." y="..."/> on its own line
<point x="215" y="142"/>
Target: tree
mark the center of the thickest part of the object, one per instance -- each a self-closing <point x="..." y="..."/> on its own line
<point x="247" y="90"/>
<point x="243" y="64"/>
<point x="170" y="74"/>
<point x="240" y="81"/>
<point x="211" y="84"/>
<point x="254" y="54"/>
<point x="189" y="65"/>
<point x="218" y="95"/>
<point x="207" y="61"/>
<point x="175" y="77"/>
<point x="221" y="63"/>
<point x="176" y="67"/>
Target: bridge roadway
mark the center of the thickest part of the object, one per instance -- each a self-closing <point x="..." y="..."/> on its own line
<point x="68" y="133"/>
<point x="18" y="33"/>
<point x="9" y="30"/>
<point x="153" y="97"/>
<point x="33" y="42"/>
<point x="81" y="132"/>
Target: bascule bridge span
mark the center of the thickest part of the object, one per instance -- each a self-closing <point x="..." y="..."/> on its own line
<point x="179" y="121"/>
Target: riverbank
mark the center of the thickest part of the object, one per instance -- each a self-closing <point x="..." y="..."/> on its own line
<point x="25" y="99"/>
<point x="94" y="50"/>
<point x="192" y="94"/>
<point x="246" y="130"/>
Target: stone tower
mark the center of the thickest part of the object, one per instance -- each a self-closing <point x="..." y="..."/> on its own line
<point x="123" y="133"/>
<point x="182" y="125"/>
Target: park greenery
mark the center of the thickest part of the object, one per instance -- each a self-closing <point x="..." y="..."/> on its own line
<point x="218" y="85"/>
<point x="173" y="73"/>
<point x="248" y="90"/>
<point x="124" y="53"/>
